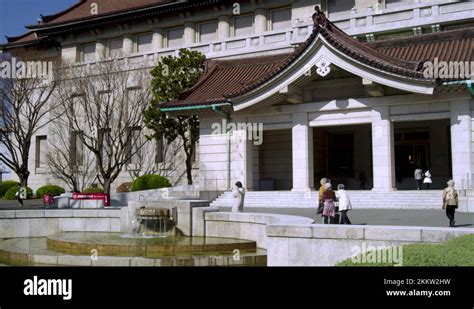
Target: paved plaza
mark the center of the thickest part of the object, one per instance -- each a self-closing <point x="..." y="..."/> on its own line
<point x="400" y="217"/>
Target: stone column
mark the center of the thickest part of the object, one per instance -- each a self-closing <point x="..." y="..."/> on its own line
<point x="157" y="42"/>
<point x="189" y="33"/>
<point x="100" y="49"/>
<point x="461" y="143"/>
<point x="261" y="20"/>
<point x="383" y="152"/>
<point x="223" y="31"/>
<point x="127" y="44"/>
<point x="242" y="159"/>
<point x="302" y="153"/>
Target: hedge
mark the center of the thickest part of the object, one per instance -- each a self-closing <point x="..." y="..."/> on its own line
<point x="6" y="185"/>
<point x="49" y="189"/>
<point x="11" y="193"/>
<point x="148" y="182"/>
<point x="455" y="252"/>
<point x="93" y="190"/>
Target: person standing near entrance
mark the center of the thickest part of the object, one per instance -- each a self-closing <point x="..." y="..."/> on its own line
<point x="344" y="203"/>
<point x="427" y="179"/>
<point x="238" y="193"/>
<point x="328" y="201"/>
<point x="418" y="177"/>
<point x="450" y="201"/>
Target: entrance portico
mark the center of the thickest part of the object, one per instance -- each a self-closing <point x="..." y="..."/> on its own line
<point x="335" y="82"/>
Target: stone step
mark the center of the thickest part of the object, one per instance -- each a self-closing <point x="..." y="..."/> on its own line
<point x="359" y="199"/>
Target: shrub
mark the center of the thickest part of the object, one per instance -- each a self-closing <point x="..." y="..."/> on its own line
<point x="6" y="185"/>
<point x="148" y="182"/>
<point x="455" y="252"/>
<point x="51" y="189"/>
<point x="92" y="190"/>
<point x="11" y="193"/>
<point x="125" y="187"/>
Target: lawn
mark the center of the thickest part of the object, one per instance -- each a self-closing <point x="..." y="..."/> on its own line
<point x="455" y="252"/>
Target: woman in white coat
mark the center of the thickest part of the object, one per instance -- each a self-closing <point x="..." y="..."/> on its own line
<point x="344" y="203"/>
<point x="238" y="193"/>
<point x="427" y="179"/>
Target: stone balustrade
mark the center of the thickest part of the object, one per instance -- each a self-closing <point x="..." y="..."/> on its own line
<point x="296" y="241"/>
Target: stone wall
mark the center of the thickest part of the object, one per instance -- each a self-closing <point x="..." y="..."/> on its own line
<point x="295" y="241"/>
<point x="41" y="223"/>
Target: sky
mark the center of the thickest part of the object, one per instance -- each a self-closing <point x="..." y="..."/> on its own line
<point x="16" y="14"/>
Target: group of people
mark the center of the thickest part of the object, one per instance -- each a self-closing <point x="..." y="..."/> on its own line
<point x="422" y="178"/>
<point x="333" y="203"/>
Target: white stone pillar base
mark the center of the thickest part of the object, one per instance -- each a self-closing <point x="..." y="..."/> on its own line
<point x="302" y="154"/>
<point x="383" y="152"/>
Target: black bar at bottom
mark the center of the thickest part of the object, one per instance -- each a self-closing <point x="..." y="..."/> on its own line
<point x="295" y="285"/>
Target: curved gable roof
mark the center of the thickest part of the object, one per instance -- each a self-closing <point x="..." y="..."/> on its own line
<point x="225" y="80"/>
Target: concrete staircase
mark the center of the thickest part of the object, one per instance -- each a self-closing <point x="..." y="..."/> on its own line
<point x="422" y="199"/>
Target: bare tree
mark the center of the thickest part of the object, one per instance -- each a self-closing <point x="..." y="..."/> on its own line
<point x="67" y="159"/>
<point x="166" y="165"/>
<point x="25" y="105"/>
<point x="105" y="102"/>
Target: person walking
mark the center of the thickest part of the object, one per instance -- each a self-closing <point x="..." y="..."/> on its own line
<point x="328" y="199"/>
<point x="418" y="177"/>
<point x="322" y="188"/>
<point x="450" y="201"/>
<point x="427" y="180"/>
<point x="344" y="203"/>
<point x="19" y="197"/>
<point x="238" y="193"/>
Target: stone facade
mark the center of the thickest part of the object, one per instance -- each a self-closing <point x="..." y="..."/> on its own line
<point x="275" y="27"/>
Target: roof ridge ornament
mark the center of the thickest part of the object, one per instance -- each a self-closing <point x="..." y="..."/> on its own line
<point x="319" y="19"/>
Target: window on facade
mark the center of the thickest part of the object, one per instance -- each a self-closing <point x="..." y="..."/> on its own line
<point x="105" y="144"/>
<point x="340" y="6"/>
<point x="208" y="32"/>
<point x="88" y="52"/>
<point x="159" y="155"/>
<point x="175" y="37"/>
<point x="116" y="48"/>
<point x="394" y="3"/>
<point x="144" y="42"/>
<point x="243" y="25"/>
<point x="134" y="145"/>
<point x="41" y="150"/>
<point x="77" y="149"/>
<point x="281" y="19"/>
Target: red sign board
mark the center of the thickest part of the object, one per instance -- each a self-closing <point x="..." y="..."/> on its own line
<point x="93" y="196"/>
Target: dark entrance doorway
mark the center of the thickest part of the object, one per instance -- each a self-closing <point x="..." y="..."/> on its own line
<point x="343" y="154"/>
<point x="425" y="145"/>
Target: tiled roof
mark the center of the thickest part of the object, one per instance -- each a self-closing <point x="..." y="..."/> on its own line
<point x="227" y="79"/>
<point x="25" y="38"/>
<point x="455" y="45"/>
<point x="82" y="10"/>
